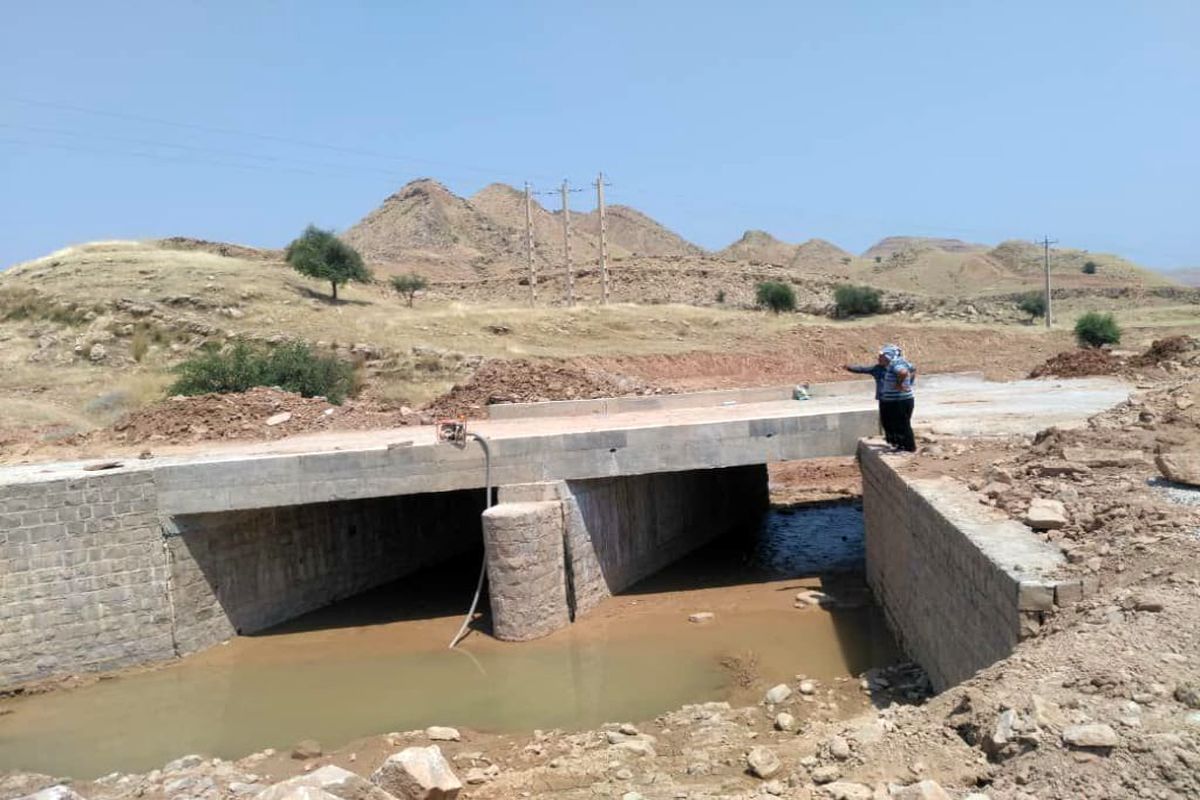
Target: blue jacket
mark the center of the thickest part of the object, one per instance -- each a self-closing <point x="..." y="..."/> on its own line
<point x="875" y="371"/>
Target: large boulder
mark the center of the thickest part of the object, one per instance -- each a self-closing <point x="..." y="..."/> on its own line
<point x="1180" y="467"/>
<point x="333" y="781"/>
<point x="418" y="773"/>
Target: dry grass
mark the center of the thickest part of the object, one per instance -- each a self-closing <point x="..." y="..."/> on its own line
<point x="72" y="294"/>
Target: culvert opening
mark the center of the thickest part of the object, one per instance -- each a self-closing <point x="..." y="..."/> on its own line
<point x="337" y="564"/>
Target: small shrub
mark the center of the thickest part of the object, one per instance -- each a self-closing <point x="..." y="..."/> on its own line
<point x="775" y="296"/>
<point x="1094" y="329"/>
<point x="720" y="295"/>
<point x="292" y="367"/>
<point x="1090" y="267"/>
<point x="853" y="300"/>
<point x="409" y="285"/>
<point x="1033" y="304"/>
<point x="139" y="344"/>
<point x="878" y="259"/>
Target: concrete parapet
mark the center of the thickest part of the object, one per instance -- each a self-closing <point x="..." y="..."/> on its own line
<point x="960" y="583"/>
<point x="526" y="579"/>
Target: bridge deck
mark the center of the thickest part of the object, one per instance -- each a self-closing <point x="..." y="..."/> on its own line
<point x="359" y="464"/>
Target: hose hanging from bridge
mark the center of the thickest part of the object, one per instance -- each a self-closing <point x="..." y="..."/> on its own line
<point x="487" y="482"/>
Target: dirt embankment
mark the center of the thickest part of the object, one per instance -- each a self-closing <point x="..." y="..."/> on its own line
<point x="1164" y="355"/>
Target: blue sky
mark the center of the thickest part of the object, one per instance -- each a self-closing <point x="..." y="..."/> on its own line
<point x="848" y="121"/>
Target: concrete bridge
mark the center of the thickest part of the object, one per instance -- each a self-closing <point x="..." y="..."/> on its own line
<point x="154" y="558"/>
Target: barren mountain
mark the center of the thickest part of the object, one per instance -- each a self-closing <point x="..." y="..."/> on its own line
<point x="884" y="248"/>
<point x="633" y="231"/>
<point x="426" y="227"/>
<point x="505" y="207"/>
<point x="818" y="254"/>
<point x="761" y="246"/>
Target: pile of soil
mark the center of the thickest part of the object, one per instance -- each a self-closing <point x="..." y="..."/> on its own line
<point x="523" y="381"/>
<point x="1173" y="348"/>
<point x="1078" y="364"/>
<point x="260" y="413"/>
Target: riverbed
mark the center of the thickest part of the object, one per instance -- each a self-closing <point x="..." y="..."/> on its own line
<point x="379" y="662"/>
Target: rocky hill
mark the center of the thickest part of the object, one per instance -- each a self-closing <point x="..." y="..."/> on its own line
<point x="759" y="246"/>
<point x="887" y="246"/>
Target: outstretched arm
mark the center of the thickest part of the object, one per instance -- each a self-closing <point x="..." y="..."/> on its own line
<point x="859" y="370"/>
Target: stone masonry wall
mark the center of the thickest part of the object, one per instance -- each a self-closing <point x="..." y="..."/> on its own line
<point x="639" y="524"/>
<point x="82" y="577"/>
<point x="243" y="571"/>
<point x="959" y="583"/>
<point x="557" y="549"/>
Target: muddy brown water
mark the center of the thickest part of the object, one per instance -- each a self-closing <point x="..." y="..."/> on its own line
<point x="379" y="662"/>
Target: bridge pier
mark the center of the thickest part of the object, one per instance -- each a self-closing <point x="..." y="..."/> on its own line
<point x="556" y="549"/>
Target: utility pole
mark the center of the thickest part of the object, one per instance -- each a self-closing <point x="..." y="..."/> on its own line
<point x="604" y="288"/>
<point x="529" y="244"/>
<point x="566" y="215"/>
<point x="1046" y="242"/>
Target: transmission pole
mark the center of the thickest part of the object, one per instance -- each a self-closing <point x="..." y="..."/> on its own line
<point x="566" y="215"/>
<point x="1046" y="242"/>
<point x="529" y="244"/>
<point x="604" y="287"/>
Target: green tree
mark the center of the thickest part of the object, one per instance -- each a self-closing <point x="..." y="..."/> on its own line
<point x="1033" y="304"/>
<point x="1094" y="329"/>
<point x="409" y="285"/>
<point x="319" y="254"/>
<point x="775" y="296"/>
<point x="1090" y="267"/>
<point x="853" y="300"/>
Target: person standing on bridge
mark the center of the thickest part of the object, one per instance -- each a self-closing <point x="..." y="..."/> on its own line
<point x="894" y="377"/>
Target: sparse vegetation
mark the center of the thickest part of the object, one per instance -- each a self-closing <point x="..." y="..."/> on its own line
<point x="1094" y="329"/>
<point x="857" y="300"/>
<point x="320" y="254"/>
<point x="292" y="367"/>
<point x="776" y="296"/>
<point x="1033" y="304"/>
<point x="409" y="285"/>
<point x="720" y="295"/>
<point x="139" y="344"/>
<point x="1090" y="267"/>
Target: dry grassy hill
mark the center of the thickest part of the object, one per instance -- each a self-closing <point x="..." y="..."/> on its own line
<point x="92" y="331"/>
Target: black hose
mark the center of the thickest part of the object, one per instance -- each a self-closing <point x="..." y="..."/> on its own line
<point x="487" y="482"/>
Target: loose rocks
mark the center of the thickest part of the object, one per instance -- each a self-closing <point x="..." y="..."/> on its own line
<point x="440" y="734"/>
<point x="777" y="694"/>
<point x="1046" y="515"/>
<point x="1095" y="736"/>
<point x="306" y="749"/>
<point x="763" y="762"/>
<point x="418" y="773"/>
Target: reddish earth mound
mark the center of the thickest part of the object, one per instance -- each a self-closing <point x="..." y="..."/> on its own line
<point x="1078" y="364"/>
<point x="1173" y="348"/>
<point x="532" y="382"/>
<point x="257" y="414"/>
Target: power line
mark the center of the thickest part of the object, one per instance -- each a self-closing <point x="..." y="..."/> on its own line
<point x="253" y="135"/>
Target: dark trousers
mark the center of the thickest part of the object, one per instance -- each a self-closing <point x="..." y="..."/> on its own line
<point x="896" y="418"/>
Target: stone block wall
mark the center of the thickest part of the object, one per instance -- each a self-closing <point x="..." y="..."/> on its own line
<point x="243" y="571"/>
<point x="639" y="524"/>
<point x="83" y="577"/>
<point x="958" y="581"/>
